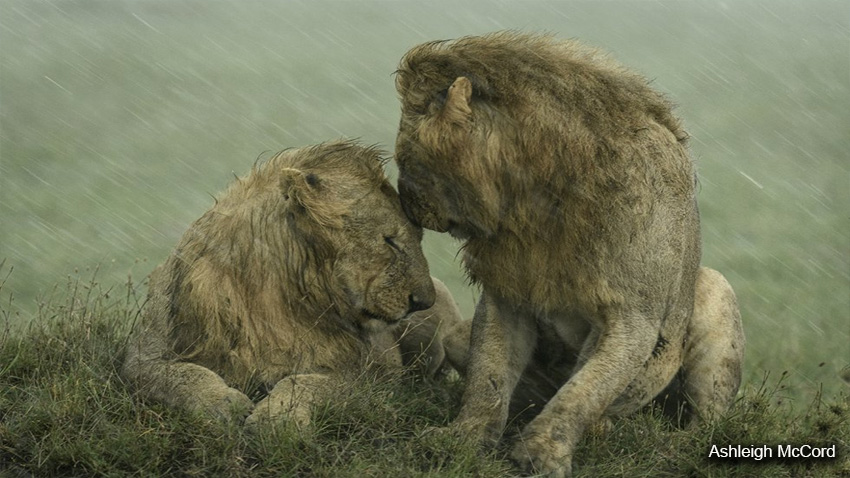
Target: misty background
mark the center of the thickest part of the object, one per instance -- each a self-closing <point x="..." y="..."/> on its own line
<point x="119" y="120"/>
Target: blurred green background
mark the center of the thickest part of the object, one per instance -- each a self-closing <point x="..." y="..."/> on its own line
<point x="120" y="119"/>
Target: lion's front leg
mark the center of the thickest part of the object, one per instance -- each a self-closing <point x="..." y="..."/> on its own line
<point x="157" y="374"/>
<point x="292" y="399"/>
<point x="501" y="344"/>
<point x="624" y="344"/>
<point x="185" y="385"/>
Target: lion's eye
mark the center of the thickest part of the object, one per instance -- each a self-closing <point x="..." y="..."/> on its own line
<point x="391" y="242"/>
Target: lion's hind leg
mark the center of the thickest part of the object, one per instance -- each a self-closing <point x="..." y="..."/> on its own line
<point x="711" y="368"/>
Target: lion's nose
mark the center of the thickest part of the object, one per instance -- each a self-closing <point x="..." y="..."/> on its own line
<point x="417" y="302"/>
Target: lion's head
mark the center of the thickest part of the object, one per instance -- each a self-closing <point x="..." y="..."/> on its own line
<point x="497" y="130"/>
<point x="316" y="233"/>
<point x="349" y="216"/>
<point x="443" y="184"/>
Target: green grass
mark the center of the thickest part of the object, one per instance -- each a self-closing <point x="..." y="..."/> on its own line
<point x="64" y="411"/>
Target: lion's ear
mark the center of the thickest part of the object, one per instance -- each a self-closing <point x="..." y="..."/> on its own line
<point x="292" y="184"/>
<point x="457" y="100"/>
<point x="304" y="196"/>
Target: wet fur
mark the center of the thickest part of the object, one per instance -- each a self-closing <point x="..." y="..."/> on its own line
<point x="570" y="182"/>
<point x="286" y="286"/>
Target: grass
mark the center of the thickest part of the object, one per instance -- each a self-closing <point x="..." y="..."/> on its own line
<point x="64" y="411"/>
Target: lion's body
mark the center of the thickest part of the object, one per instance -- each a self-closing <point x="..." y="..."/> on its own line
<point x="570" y="181"/>
<point x="289" y="283"/>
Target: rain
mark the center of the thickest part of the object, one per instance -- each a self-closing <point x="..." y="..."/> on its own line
<point x="120" y="119"/>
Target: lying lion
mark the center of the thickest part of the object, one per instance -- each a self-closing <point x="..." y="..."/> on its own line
<point x="570" y="182"/>
<point x="303" y="273"/>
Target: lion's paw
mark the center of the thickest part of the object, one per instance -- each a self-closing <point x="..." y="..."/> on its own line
<point x="462" y="433"/>
<point x="228" y="405"/>
<point x="273" y="410"/>
<point x="541" y="455"/>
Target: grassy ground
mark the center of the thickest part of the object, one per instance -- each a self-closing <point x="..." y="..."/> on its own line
<point x="65" y="412"/>
<point x="119" y="118"/>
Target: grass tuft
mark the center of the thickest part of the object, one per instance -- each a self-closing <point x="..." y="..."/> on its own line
<point x="64" y="411"/>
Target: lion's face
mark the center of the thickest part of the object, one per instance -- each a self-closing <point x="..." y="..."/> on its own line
<point x="444" y="154"/>
<point x="380" y="265"/>
<point x="340" y="204"/>
<point x="428" y="199"/>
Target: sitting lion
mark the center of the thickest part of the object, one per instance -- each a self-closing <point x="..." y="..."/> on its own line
<point x="295" y="279"/>
<point x="570" y="182"/>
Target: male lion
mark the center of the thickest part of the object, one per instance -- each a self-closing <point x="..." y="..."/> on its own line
<point x="289" y="283"/>
<point x="570" y="182"/>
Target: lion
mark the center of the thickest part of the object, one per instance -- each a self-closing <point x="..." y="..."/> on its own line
<point x="304" y="273"/>
<point x="569" y="181"/>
